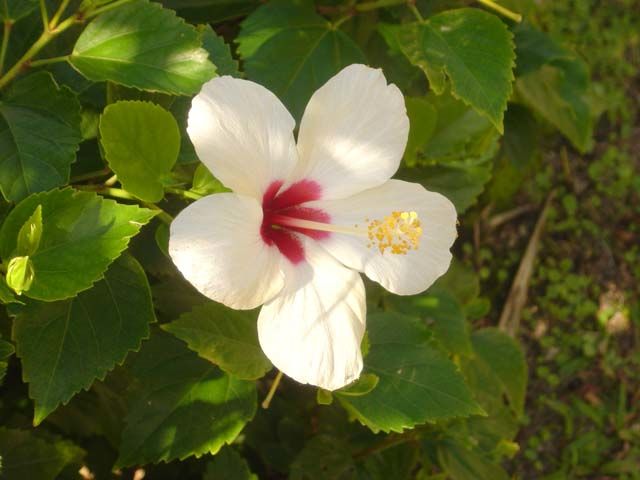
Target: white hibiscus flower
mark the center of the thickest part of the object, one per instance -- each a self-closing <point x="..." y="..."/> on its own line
<point x="304" y="219"/>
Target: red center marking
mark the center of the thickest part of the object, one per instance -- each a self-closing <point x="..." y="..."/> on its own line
<point x="289" y="203"/>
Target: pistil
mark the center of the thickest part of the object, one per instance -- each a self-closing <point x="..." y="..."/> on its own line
<point x="397" y="233"/>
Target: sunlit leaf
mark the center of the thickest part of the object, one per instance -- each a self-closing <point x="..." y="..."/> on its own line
<point x="470" y="47"/>
<point x="226" y="337"/>
<point x="82" y="233"/>
<point x="145" y="46"/>
<point x="141" y="142"/>
<point x="219" y="52"/>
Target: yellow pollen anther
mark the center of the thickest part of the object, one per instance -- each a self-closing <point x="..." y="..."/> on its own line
<point x="398" y="233"/>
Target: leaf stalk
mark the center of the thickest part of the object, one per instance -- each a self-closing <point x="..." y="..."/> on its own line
<point x="516" y="17"/>
<point x="6" y="35"/>
<point x="274" y="386"/>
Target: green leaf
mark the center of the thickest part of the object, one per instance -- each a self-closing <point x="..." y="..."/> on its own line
<point x="64" y="346"/>
<point x="141" y="142"/>
<point x="99" y="411"/>
<point x="162" y="238"/>
<point x="26" y="456"/>
<point x="219" y="52"/>
<point x="6" y="350"/>
<point x="558" y="94"/>
<point x="534" y="48"/>
<point x="443" y="313"/>
<point x="30" y="234"/>
<point x="461" y="281"/>
<point x="501" y="421"/>
<point x="516" y="161"/>
<point x="13" y="10"/>
<point x="228" y="464"/>
<point x="422" y="118"/>
<point x="204" y="183"/>
<point x="20" y="274"/>
<point x="39" y="136"/>
<point x="397" y="463"/>
<point x="473" y="48"/>
<point x="459" y="183"/>
<point x="506" y="359"/>
<point x="461" y="136"/>
<point x="463" y="464"/>
<point x="455" y="158"/>
<point x="553" y="82"/>
<point x="323" y="457"/>
<point x="365" y="384"/>
<point x="418" y="383"/>
<point x="145" y="46"/>
<point x="293" y="51"/>
<point x="226" y="337"/>
<point x="182" y="405"/>
<point x="82" y="233"/>
<point x="175" y="296"/>
<point x="6" y="294"/>
<point x="211" y="11"/>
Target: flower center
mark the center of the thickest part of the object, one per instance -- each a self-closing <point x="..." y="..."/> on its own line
<point x="284" y="216"/>
<point x="398" y="232"/>
<point x="289" y="203"/>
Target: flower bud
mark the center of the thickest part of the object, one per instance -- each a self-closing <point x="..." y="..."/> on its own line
<point x="20" y="274"/>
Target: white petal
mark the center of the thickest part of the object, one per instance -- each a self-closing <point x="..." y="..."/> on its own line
<point x="215" y="242"/>
<point x="313" y="329"/>
<point x="353" y="132"/>
<point x="243" y="134"/>
<point x="401" y="274"/>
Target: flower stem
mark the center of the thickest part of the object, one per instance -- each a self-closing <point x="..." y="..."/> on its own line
<point x="56" y="16"/>
<point x="188" y="194"/>
<point x="341" y="20"/>
<point x="163" y="216"/>
<point x="274" y="386"/>
<point x="516" y="17"/>
<point x="6" y="35"/>
<point x="415" y="11"/>
<point x="38" y="45"/>
<point x="91" y="175"/>
<point x="44" y="14"/>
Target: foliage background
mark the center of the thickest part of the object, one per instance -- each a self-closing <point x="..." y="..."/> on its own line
<point x="117" y="367"/>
